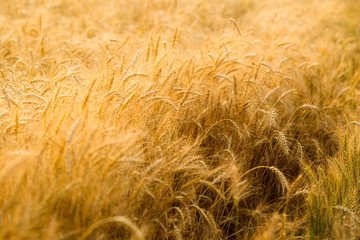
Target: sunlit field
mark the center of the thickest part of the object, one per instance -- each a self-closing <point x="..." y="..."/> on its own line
<point x="179" y="119"/>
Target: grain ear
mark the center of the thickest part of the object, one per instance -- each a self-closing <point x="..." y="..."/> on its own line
<point x="235" y="24"/>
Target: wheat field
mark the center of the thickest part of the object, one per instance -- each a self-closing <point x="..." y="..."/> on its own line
<point x="179" y="119"/>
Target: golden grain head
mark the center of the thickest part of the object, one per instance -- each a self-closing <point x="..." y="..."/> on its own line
<point x="179" y="119"/>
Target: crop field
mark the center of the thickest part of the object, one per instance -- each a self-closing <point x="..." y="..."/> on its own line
<point x="179" y="119"/>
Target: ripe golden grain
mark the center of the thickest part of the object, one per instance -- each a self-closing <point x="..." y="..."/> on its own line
<point x="157" y="113"/>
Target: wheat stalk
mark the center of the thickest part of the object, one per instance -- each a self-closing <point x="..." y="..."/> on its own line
<point x="348" y="211"/>
<point x="208" y="217"/>
<point x="134" y="75"/>
<point x="148" y="93"/>
<point x="283" y="142"/>
<point x="153" y="166"/>
<point x="86" y="97"/>
<point x="156" y="50"/>
<point x="270" y="93"/>
<point x="235" y="24"/>
<point x="308" y="106"/>
<point x="6" y="96"/>
<point x="117" y="219"/>
<point x="282" y="179"/>
<point x="177" y="232"/>
<point x="267" y="65"/>
<point x="354" y="122"/>
<point x="174" y="37"/>
<point x="273" y="118"/>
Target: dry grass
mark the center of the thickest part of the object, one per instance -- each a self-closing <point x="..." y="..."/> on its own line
<point x="179" y="119"/>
